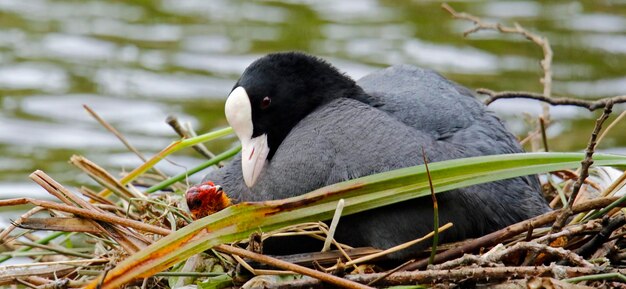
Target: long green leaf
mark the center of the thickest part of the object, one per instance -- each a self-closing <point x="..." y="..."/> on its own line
<point x="237" y="222"/>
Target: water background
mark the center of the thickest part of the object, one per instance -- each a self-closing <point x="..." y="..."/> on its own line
<point x="135" y="62"/>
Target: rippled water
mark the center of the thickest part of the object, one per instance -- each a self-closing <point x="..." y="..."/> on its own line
<point x="135" y="62"/>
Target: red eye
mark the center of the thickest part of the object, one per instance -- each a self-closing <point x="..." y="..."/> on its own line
<point x="265" y="102"/>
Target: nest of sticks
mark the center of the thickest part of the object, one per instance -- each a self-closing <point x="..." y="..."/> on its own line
<point x="580" y="244"/>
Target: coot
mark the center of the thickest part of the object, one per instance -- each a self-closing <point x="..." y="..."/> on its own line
<point x="304" y="125"/>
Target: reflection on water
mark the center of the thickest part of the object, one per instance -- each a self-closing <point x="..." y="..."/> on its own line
<point x="135" y="62"/>
<point x="33" y="76"/>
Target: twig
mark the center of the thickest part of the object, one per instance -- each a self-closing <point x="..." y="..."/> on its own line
<point x="90" y="214"/>
<point x="529" y="137"/>
<point x="618" y="183"/>
<point x="101" y="176"/>
<point x="14" y="224"/>
<point x="129" y="240"/>
<point x="584" y="170"/>
<point x="184" y="133"/>
<point x="568" y="177"/>
<point x="539" y="248"/>
<point x="121" y="137"/>
<point x="613" y="123"/>
<point x="598" y="240"/>
<point x="457" y="275"/>
<point x="591" y="105"/>
<point x="244" y="264"/>
<point x="508" y="232"/>
<point x="291" y="267"/>
<point x="94" y="196"/>
<point x="316" y="261"/>
<point x="590" y="227"/>
<point x="26" y="283"/>
<point x="546" y="63"/>
<point x="467" y="259"/>
<point x="400" y="247"/>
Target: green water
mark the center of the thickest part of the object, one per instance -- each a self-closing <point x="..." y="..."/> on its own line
<point x="135" y="62"/>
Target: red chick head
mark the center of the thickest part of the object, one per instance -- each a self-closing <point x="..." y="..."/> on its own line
<point x="205" y="199"/>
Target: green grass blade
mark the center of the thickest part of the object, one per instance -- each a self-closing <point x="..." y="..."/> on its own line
<point x="218" y="158"/>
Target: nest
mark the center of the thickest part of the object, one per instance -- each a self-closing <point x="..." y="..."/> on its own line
<point x="132" y="228"/>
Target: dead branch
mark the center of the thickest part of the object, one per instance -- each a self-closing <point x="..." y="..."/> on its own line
<point x="546" y="63"/>
<point x="598" y="240"/>
<point x="486" y="275"/>
<point x="590" y="227"/>
<point x="591" y="105"/>
<point x="466" y="260"/>
<point x="328" y="258"/>
<point x="540" y="248"/>
<point x="584" y="170"/>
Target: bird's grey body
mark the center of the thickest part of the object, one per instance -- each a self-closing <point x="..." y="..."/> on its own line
<point x="406" y="109"/>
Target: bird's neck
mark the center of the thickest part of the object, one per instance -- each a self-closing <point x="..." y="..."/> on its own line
<point x="357" y="93"/>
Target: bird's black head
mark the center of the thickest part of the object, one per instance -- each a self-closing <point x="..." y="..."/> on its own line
<point x="273" y="94"/>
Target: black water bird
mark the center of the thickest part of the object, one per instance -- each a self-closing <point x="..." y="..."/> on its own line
<point x="304" y="125"/>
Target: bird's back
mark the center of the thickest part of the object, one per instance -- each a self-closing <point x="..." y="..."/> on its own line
<point x="448" y="111"/>
<point x="427" y="101"/>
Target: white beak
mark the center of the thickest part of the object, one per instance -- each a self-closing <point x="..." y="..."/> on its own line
<point x="254" y="151"/>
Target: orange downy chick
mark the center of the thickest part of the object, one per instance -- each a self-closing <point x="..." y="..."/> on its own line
<point x="205" y="199"/>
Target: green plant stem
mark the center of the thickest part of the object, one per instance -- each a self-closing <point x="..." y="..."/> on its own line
<point x="223" y="156"/>
<point x="172" y="148"/>
<point x="608" y="208"/>
<point x="604" y="276"/>
<point x="433" y="251"/>
<point x="58" y="250"/>
<point x="43" y="241"/>
<point x="206" y="137"/>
